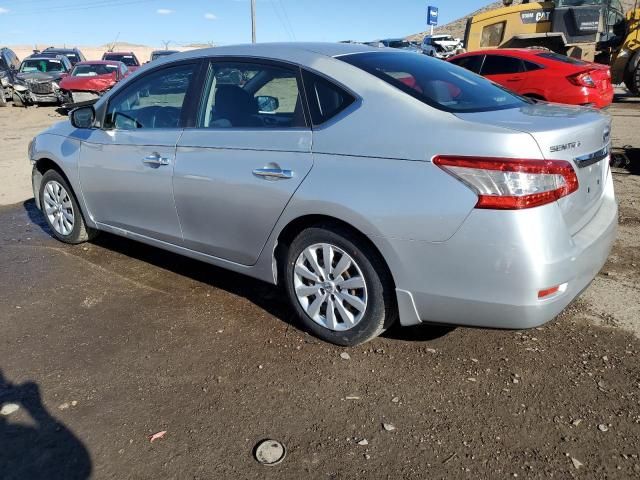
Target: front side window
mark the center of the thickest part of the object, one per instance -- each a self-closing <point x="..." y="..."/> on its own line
<point x="248" y="95"/>
<point x="501" y="65"/>
<point x="436" y="83"/>
<point x="154" y="101"/>
<point x="492" y="35"/>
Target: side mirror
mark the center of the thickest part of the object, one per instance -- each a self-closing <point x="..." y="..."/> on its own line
<point x="83" y="117"/>
<point x="268" y="104"/>
<point x="64" y="75"/>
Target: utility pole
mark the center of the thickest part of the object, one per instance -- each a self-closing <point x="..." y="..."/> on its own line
<point x="253" y="21"/>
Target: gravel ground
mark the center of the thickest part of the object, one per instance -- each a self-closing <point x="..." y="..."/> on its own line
<point x="105" y="344"/>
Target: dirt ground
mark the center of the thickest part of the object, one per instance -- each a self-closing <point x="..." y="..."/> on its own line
<point x="104" y="344"/>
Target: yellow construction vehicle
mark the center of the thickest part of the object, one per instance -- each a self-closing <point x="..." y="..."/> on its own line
<point x="593" y="30"/>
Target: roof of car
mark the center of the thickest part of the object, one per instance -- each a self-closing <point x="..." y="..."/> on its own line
<point x="510" y="51"/>
<point x="280" y="50"/>
<point x="54" y="49"/>
<point x="99" y="62"/>
<point x="166" y="51"/>
<point x="119" y="53"/>
<point x="40" y="57"/>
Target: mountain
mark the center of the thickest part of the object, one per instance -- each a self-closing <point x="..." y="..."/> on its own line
<point x="457" y="27"/>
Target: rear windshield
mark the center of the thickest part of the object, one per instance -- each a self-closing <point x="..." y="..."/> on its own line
<point x="561" y="58"/>
<point x="128" y="60"/>
<point x="434" y="82"/>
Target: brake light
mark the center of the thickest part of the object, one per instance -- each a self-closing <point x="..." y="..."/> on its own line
<point x="512" y="184"/>
<point x="583" y="79"/>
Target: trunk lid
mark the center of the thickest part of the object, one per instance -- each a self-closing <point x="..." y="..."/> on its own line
<point x="578" y="135"/>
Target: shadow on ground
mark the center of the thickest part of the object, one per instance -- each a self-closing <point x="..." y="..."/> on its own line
<point x="268" y="297"/>
<point x="627" y="158"/>
<point x="42" y="449"/>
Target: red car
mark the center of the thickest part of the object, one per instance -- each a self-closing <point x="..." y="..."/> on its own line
<point x="88" y="81"/>
<point x="128" y="58"/>
<point x="543" y="75"/>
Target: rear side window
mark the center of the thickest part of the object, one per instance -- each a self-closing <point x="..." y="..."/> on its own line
<point x="561" y="58"/>
<point x="326" y="100"/>
<point x="434" y="82"/>
<point x="501" y="65"/>
<point x="472" y="62"/>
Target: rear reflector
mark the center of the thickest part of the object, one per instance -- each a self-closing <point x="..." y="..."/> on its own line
<point x="547" y="292"/>
<point x="512" y="184"/>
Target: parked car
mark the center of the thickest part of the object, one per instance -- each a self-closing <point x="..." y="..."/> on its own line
<point x="9" y="65"/>
<point x="128" y="58"/>
<point x="400" y="44"/>
<point x="369" y="198"/>
<point x="543" y="75"/>
<point x="74" y="55"/>
<point x="441" y="46"/>
<point x="156" y="54"/>
<point x="88" y="81"/>
<point x="39" y="80"/>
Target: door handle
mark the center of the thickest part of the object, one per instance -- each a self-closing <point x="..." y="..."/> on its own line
<point x="515" y="79"/>
<point x="273" y="173"/>
<point x="155" y="160"/>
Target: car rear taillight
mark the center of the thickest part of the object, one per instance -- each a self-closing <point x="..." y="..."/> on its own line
<point x="512" y="184"/>
<point x="582" y="79"/>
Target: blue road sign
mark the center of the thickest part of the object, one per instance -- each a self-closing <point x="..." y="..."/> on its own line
<point x="432" y="15"/>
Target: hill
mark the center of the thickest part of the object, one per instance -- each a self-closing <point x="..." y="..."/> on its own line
<point x="457" y="27"/>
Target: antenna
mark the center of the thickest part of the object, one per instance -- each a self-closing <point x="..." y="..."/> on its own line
<point x="113" y="45"/>
<point x="253" y="21"/>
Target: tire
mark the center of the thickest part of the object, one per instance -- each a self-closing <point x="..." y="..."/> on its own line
<point x="61" y="211"/>
<point x="348" y="326"/>
<point x="632" y="81"/>
<point x="3" y="98"/>
<point x="17" y="100"/>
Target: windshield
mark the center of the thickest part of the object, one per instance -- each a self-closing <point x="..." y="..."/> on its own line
<point x="128" y="60"/>
<point x="439" y="84"/>
<point x="399" y="44"/>
<point x="93" y="70"/>
<point x="41" y="65"/>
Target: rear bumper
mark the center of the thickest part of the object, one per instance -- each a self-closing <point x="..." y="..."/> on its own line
<point x="585" y="96"/>
<point x="490" y="272"/>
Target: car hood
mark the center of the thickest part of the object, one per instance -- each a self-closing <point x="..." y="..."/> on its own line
<point x="39" y="76"/>
<point x="99" y="83"/>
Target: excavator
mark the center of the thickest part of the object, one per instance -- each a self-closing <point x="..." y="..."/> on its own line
<point x="592" y="30"/>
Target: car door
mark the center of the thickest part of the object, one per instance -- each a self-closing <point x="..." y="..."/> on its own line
<point x="506" y="71"/>
<point x="237" y="169"/>
<point x="126" y="166"/>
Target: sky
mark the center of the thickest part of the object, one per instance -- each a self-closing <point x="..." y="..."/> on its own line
<point x="222" y="22"/>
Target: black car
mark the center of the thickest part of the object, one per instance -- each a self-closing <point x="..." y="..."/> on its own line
<point x="73" y="54"/>
<point x="39" y="79"/>
<point x="9" y="64"/>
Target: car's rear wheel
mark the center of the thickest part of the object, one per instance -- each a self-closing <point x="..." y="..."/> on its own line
<point x="61" y="210"/>
<point x="339" y="286"/>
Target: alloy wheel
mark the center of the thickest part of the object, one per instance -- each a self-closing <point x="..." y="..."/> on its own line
<point x="58" y="208"/>
<point x="330" y="287"/>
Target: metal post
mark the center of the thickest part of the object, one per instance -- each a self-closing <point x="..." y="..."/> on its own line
<point x="253" y="21"/>
<point x="431" y="30"/>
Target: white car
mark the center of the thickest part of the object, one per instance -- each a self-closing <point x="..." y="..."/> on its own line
<point x="442" y="46"/>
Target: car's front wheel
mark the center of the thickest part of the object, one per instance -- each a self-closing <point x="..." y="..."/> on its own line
<point x="339" y="286"/>
<point x="61" y="210"/>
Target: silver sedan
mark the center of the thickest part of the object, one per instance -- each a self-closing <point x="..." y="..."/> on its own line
<point x="374" y="185"/>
